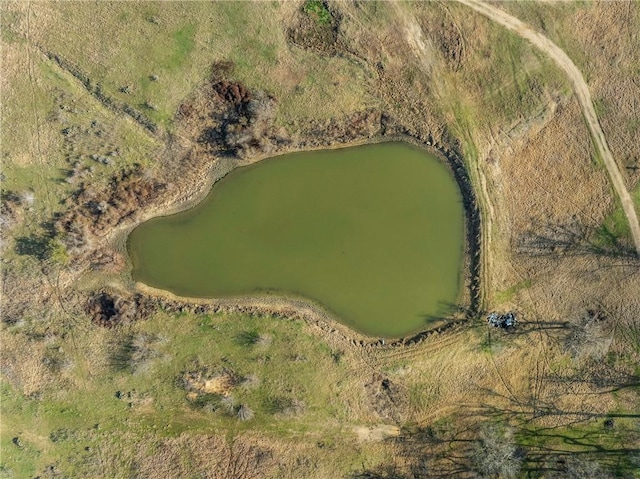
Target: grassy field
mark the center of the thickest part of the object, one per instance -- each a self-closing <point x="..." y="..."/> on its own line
<point x="507" y="82"/>
<point x="53" y="128"/>
<point x="112" y="394"/>
<point x="160" y="53"/>
<point x="134" y="378"/>
<point x="596" y="52"/>
<point x="239" y="395"/>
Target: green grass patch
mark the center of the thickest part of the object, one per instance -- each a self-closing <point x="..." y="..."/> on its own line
<point x="600" y="106"/>
<point x="509" y="293"/>
<point x="287" y="382"/>
<point x="488" y="340"/>
<point x="463" y="119"/>
<point x="605" y="441"/>
<point x="8" y="26"/>
<point x="248" y="338"/>
<point x="422" y="396"/>
<point x="184" y="44"/>
<point x="505" y="84"/>
<point x="614" y="231"/>
<point x="177" y="44"/>
<point x="551" y="19"/>
<point x="19" y="455"/>
<point x="290" y="363"/>
<point x="317" y="10"/>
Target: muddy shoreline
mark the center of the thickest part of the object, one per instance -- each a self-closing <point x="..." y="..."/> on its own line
<point x="299" y="308"/>
<point x="287" y="308"/>
<point x="220" y="127"/>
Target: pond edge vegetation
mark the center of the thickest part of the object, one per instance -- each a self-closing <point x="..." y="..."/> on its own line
<point x="242" y="125"/>
<point x="287" y="306"/>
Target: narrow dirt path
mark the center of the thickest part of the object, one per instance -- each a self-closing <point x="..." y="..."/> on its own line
<point x="584" y="97"/>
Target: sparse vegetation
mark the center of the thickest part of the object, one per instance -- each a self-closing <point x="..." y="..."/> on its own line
<point x="245" y="413"/>
<point x="589" y="337"/>
<point x="614" y="234"/>
<point x="137" y="353"/>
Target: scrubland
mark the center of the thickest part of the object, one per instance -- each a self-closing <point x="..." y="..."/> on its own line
<point x="113" y="113"/>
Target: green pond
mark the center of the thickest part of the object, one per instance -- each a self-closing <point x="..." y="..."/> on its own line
<point x="373" y="233"/>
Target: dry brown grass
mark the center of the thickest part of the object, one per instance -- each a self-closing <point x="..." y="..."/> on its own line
<point x="602" y="38"/>
<point x="547" y="171"/>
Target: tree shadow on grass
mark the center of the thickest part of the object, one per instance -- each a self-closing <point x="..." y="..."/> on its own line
<point x="578" y="443"/>
<point x="36" y="246"/>
<point x="574" y="239"/>
<point x="39" y="246"/>
<point x="581" y="436"/>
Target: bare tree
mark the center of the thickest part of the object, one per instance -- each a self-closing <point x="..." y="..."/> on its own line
<point x="496" y="454"/>
<point x="589" y="336"/>
<point x="581" y="468"/>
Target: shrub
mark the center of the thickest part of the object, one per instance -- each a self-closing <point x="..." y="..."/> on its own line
<point x="248" y="338"/>
<point x="58" y="252"/>
<point x="137" y="353"/>
<point x="245" y="413"/>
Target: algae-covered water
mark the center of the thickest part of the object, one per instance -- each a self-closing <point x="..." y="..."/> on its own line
<point x="373" y="233"/>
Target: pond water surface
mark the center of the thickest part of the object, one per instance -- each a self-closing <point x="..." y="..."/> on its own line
<point x="373" y="233"/>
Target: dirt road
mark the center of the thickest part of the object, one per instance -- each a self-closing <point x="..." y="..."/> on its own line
<point x="584" y="97"/>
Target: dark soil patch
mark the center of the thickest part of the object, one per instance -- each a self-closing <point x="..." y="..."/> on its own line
<point x="109" y="309"/>
<point x="316" y="28"/>
<point x="386" y="398"/>
<point x="446" y="36"/>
